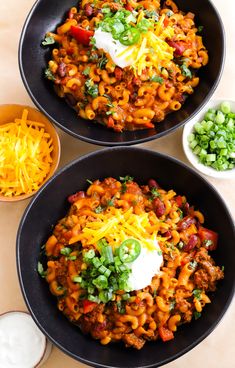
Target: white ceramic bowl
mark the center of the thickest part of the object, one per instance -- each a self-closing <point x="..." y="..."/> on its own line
<point x="193" y="159"/>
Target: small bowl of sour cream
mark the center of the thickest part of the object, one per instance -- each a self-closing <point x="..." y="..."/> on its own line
<point x="22" y="344"/>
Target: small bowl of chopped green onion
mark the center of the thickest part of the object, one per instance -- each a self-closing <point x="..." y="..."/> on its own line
<point x="209" y="139"/>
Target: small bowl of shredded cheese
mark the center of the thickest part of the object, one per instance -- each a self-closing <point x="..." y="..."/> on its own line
<point x="29" y="151"/>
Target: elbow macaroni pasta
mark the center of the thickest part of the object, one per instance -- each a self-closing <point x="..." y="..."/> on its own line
<point x="82" y="73"/>
<point x="175" y="295"/>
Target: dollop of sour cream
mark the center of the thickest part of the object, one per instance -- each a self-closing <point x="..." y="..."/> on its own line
<point x="22" y="344"/>
<point x="144" y="267"/>
<point x="105" y="41"/>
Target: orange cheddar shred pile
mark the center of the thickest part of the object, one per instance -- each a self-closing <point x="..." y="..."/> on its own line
<point x="25" y="156"/>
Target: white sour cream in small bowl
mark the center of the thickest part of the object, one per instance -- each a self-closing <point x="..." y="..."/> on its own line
<point x="189" y="130"/>
<point x="22" y="344"/>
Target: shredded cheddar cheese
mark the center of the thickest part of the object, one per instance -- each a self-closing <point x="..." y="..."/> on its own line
<point x="116" y="226"/>
<point x="25" y="156"/>
<point x="152" y="50"/>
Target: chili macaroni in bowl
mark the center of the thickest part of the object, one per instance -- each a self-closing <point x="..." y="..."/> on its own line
<point x="51" y="205"/>
<point x="131" y="262"/>
<point x="126" y="64"/>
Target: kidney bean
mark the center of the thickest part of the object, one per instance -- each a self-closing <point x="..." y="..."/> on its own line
<point x="153" y="184"/>
<point x="186" y="208"/>
<point x="159" y="207"/>
<point x="186" y="222"/>
<point x="70" y="99"/>
<point x="62" y="70"/>
<point x="97" y="11"/>
<point x="133" y="96"/>
<point x="167" y="234"/>
<point x="74" y="197"/>
<point x="88" y="10"/>
<point x="178" y="46"/>
<point x="100" y="326"/>
<point x="193" y="239"/>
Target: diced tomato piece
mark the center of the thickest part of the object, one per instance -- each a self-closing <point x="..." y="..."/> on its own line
<point x="165" y="334"/>
<point x="179" y="200"/>
<point x="118" y="73"/>
<point x="110" y="123"/>
<point x="68" y="235"/>
<point x="148" y="124"/>
<point x="82" y="35"/>
<point x="166" y="22"/>
<point x="88" y="306"/>
<point x="209" y="238"/>
<point x="129" y="7"/>
<point x="70" y="51"/>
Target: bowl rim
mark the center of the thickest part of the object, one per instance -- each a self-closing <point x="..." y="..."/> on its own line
<point x="128" y="142"/>
<point x="62" y="170"/>
<point x="192" y="158"/>
<point x="57" y="159"/>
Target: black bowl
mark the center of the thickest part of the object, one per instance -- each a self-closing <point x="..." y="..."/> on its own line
<point x="50" y="204"/>
<point x="46" y="15"/>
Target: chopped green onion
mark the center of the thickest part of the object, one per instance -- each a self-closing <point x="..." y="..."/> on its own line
<point x="96" y="262"/>
<point x="191" y="137"/>
<point x="186" y="71"/>
<point x="101" y="282"/>
<point x="121" y="307"/>
<point x="72" y="258"/>
<point x="213" y="139"/>
<point x="197" y="315"/>
<point x="66" y="251"/>
<point x="125" y="296"/>
<point x="77" y="279"/>
<point x="197" y="293"/>
<point x="107" y="253"/>
<point x="87" y="256"/>
<point x="105" y="296"/>
<point x="93" y="298"/>
<point x="49" y="75"/>
<point x="49" y="40"/>
<point x="41" y="271"/>
<point x="225" y="107"/>
<point x="220" y="118"/>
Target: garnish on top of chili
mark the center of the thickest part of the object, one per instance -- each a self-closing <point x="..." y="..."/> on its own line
<point x="131" y="262"/>
<point x="126" y="65"/>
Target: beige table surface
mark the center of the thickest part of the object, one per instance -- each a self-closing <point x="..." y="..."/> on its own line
<point x="217" y="350"/>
